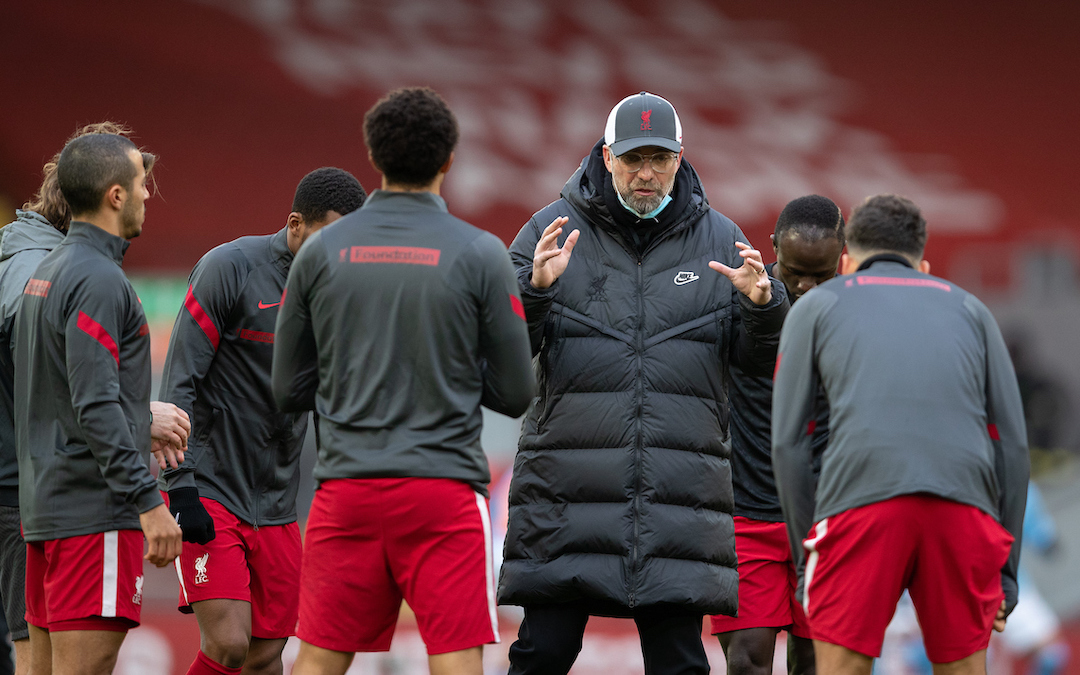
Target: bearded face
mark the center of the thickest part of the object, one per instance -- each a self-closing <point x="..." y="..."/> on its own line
<point x="133" y="212"/>
<point x="642" y="189"/>
<point x="644" y="195"/>
<point x="131" y="218"/>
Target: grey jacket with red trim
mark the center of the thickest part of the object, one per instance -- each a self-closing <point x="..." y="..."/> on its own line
<point x="242" y="452"/>
<point x="23" y="244"/>
<point x="922" y="396"/>
<point x="82" y="392"/>
<point x="415" y="321"/>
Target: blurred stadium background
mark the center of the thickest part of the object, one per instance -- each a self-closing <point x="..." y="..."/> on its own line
<point x="969" y="108"/>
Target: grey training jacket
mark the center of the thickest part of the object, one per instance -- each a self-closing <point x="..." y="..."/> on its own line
<point x="414" y="319"/>
<point x="82" y="393"/>
<point x="23" y="244"/>
<point x="922" y="395"/>
<point x="243" y="452"/>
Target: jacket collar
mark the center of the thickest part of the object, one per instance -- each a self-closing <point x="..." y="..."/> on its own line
<point x="884" y="257"/>
<point x="110" y="245"/>
<point x="419" y="201"/>
<point x="279" y="249"/>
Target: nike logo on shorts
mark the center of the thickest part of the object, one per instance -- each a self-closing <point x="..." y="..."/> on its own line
<point x="263" y="305"/>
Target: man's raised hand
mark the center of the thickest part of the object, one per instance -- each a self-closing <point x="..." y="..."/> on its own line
<point x="750" y="278"/>
<point x="549" y="260"/>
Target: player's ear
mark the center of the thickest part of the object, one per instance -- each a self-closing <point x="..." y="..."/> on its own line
<point x="848" y="265"/>
<point x="446" y="167"/>
<point x="295" y="222"/>
<point x="115" y="196"/>
<point x="924" y="266"/>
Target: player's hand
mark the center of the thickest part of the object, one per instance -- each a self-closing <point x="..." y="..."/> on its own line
<point x="163" y="535"/>
<point x="169" y="433"/>
<point x="192" y="517"/>
<point x="750" y="279"/>
<point x="999" y="620"/>
<point x="549" y="260"/>
<point x="166" y="454"/>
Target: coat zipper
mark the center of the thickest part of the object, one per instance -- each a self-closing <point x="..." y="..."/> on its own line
<point x="634" y="561"/>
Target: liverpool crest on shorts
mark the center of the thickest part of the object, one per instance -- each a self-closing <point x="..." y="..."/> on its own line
<point x="137" y="598"/>
<point x="200" y="569"/>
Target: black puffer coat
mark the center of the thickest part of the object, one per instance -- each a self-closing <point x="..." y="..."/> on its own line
<point x="621" y="494"/>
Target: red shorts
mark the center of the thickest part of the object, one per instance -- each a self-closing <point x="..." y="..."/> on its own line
<point x="767" y="581"/>
<point x="259" y="565"/>
<point x="947" y="554"/>
<point x="89" y="582"/>
<point x="371" y="542"/>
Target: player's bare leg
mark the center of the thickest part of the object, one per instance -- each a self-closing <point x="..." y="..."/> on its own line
<point x="836" y="660"/>
<point x="225" y="628"/>
<point x="314" y="660"/>
<point x="971" y="665"/>
<point x="463" y="662"/>
<point x="40" y="651"/>
<point x="800" y="656"/>
<point x="749" y="651"/>
<point x="264" y="657"/>
<point x="85" y="652"/>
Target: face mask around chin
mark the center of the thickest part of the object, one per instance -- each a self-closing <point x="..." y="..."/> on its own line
<point x="644" y="216"/>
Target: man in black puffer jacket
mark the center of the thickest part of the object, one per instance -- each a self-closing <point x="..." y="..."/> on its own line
<point x="621" y="497"/>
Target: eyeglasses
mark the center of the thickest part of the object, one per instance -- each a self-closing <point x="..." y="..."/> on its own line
<point x="661" y="162"/>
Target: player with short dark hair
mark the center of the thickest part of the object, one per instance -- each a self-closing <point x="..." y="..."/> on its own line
<point x="924" y="479"/>
<point x="38" y="228"/>
<point x="413" y="320"/>
<point x="322" y="191"/>
<point x="82" y="420"/>
<point x="410" y="136"/>
<point x="808" y="241"/>
<point x="242" y="465"/>
<point x="89" y="169"/>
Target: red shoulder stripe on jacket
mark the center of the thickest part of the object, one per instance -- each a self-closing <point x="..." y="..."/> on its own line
<point x="98" y="332"/>
<point x="201" y="318"/>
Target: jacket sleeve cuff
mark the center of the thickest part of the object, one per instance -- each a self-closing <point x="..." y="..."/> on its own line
<point x="1010" y="587"/>
<point x="779" y="297"/>
<point x="527" y="289"/>
<point x="149" y="499"/>
<point x="179" y="478"/>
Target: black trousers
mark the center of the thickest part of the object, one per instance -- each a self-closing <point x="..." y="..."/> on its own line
<point x="549" y="640"/>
